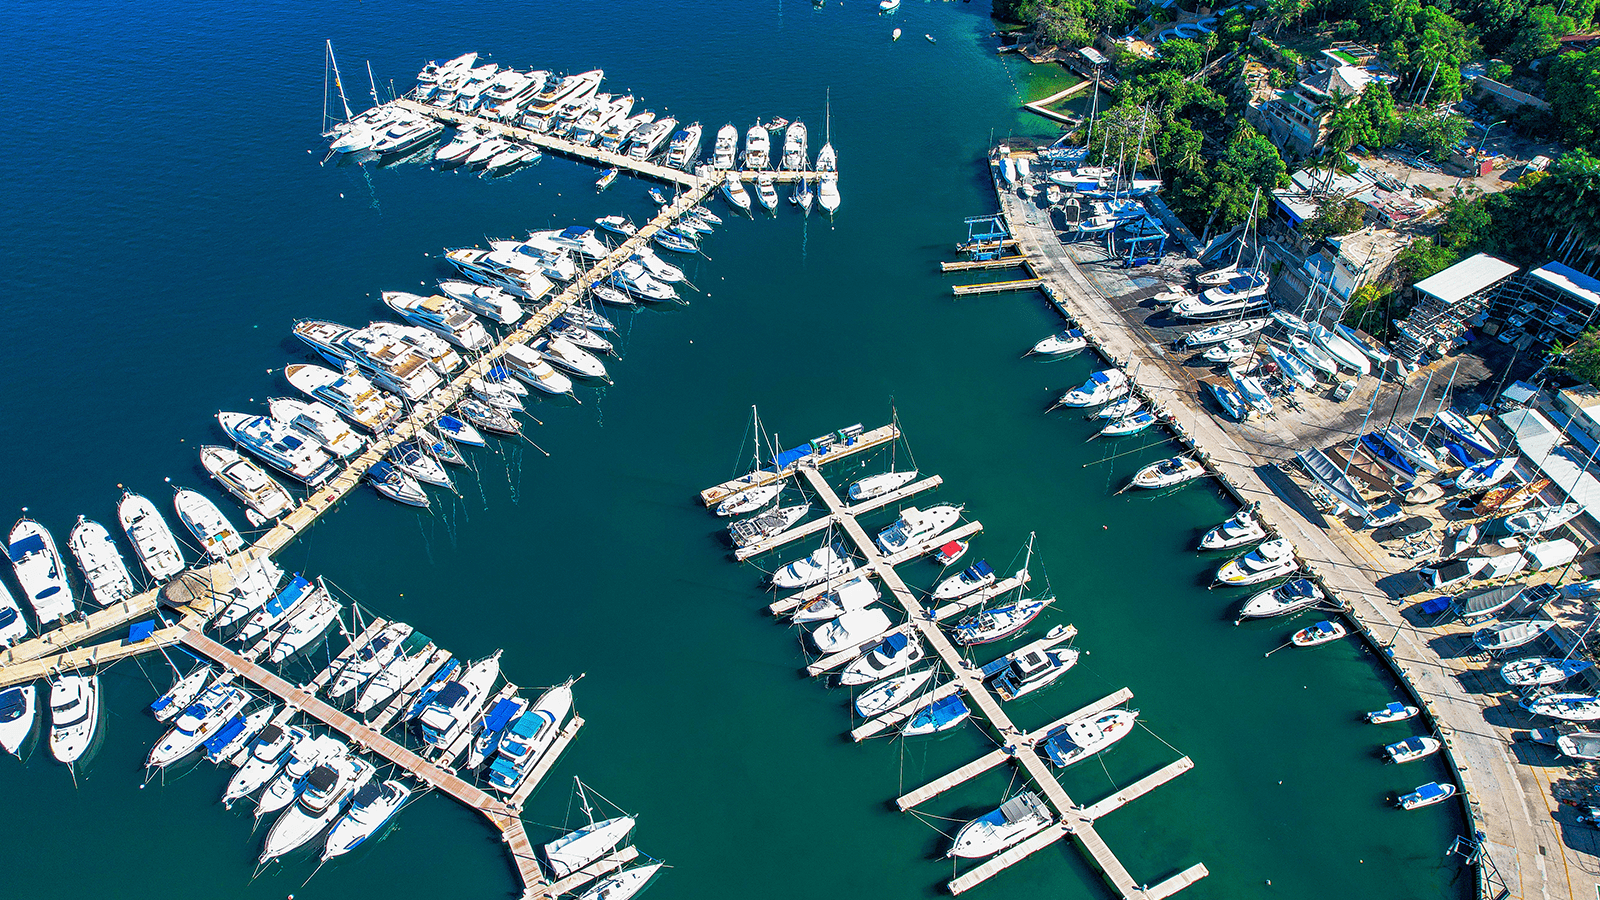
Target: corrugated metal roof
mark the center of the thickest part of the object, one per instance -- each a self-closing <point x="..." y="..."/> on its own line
<point x="1466" y="278"/>
<point x="1569" y="281"/>
<point x="1534" y="434"/>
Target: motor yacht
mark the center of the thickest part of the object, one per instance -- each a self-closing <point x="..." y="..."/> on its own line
<point x="103" y="566"/>
<point x="150" y="535"/>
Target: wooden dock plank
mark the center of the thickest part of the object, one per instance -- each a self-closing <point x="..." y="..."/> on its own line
<point x="1139" y="788"/>
<point x="967" y="265"/>
<point x="783" y="538"/>
<point x="995" y="287"/>
<point x="944" y="783"/>
<point x="524" y="858"/>
<point x="998" y="589"/>
<point x="1176" y="883"/>
<point x="895" y="496"/>
<point x="92" y="656"/>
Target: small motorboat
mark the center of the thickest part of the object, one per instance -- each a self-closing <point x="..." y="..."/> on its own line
<point x="998" y="623"/>
<point x="1061" y="343"/>
<point x="1412" y="748"/>
<point x="1321" y="633"/>
<point x="975" y="577"/>
<point x="1129" y="425"/>
<point x="605" y="179"/>
<point x="827" y="561"/>
<point x="1238" y="531"/>
<point x="852" y="629"/>
<point x="1460" y="541"/>
<point x="941" y="715"/>
<point x="1537" y="671"/>
<point x="748" y="501"/>
<point x="619" y="225"/>
<point x="1314" y="356"/>
<point x="1273" y="559"/>
<point x="482" y="415"/>
<point x="1510" y="634"/>
<point x="1393" y="712"/>
<point x="623" y="885"/>
<point x="1568" y="707"/>
<point x="1117" y="409"/>
<point x="1291" y="596"/>
<point x="1078" y="740"/>
<point x="948" y="553"/>
<point x="74" y="715"/>
<point x="1013" y="822"/>
<point x="1169" y="473"/>
<point x="677" y="243"/>
<point x="877" y="485"/>
<point x="1427" y="795"/>
<point x="1229" y="351"/>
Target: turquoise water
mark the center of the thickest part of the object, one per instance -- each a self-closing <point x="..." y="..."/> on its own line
<point x="167" y="220"/>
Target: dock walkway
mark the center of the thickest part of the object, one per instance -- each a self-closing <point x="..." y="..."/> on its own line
<point x="1513" y="809"/>
<point x="1015" y="743"/>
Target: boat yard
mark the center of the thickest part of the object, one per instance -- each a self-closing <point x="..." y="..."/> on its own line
<point x="966" y="680"/>
<point x="1514" y="812"/>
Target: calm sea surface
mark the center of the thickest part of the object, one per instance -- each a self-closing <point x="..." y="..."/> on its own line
<point x="165" y="220"/>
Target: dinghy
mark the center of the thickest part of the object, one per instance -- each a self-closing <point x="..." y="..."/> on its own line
<point x="874" y="486"/>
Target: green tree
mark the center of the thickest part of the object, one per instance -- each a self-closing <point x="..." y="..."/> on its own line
<point x="1580" y="359"/>
<point x="1435" y="133"/>
<point x="1184" y="56"/>
<point x="1421" y="259"/>
<point x="1537" y="34"/>
<point x="1335" y="217"/>
<point x="1573" y="89"/>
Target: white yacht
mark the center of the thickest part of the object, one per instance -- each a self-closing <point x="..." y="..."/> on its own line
<point x="349" y="394"/>
<point x="915" y="526"/>
<point x="17" y="714"/>
<point x="328" y="788"/>
<point x="528" y="738"/>
<point x="151" y="537"/>
<point x="199" y="721"/>
<point x="13" y="627"/>
<point x="278" y="609"/>
<point x="181" y="694"/>
<point x="750" y="500"/>
<point x="569" y="356"/>
<point x="766" y="191"/>
<point x="1273" y="559"/>
<point x="1284" y="599"/>
<point x="217" y="536"/>
<point x="1102" y="387"/>
<point x="442" y="358"/>
<point x="1078" y="740"/>
<point x="1013" y="822"/>
<point x="895" y="653"/>
<point x="579" y="239"/>
<point x="623" y="885"/>
<point x="659" y="269"/>
<point x="796" y="153"/>
<point x="102" y="564"/>
<point x="1313" y="355"/>
<point x="1342" y="351"/>
<point x="827" y="561"/>
<point x="391" y="363"/>
<point x="733" y="189"/>
<point x="246" y="481"/>
<point x="39" y="570"/>
<point x="576" y="849"/>
<point x="877" y="485"/>
<point x="646" y="141"/>
<point x="1026" y="671"/>
<point x="850" y="630"/>
<point x="685" y="148"/>
<point x="318" y="421"/>
<point x="74" y="715"/>
<point x="254" y="583"/>
<point x="451" y="710"/>
<point x="727" y="147"/>
<point x="394" y="676"/>
<point x="1540" y="519"/>
<point x="263" y="760"/>
<point x="617" y="134"/>
<point x="489" y="301"/>
<point x="465" y="141"/>
<point x="305" y="626"/>
<point x="757" y="148"/>
<point x="304" y="757"/>
<point x="828" y="192"/>
<point x="440" y="315"/>
<point x="530" y="367"/>
<point x="975" y="577"/>
<point x="371" y="807"/>
<point x="1412" y="748"/>
<point x="298" y="456"/>
<point x="406" y="133"/>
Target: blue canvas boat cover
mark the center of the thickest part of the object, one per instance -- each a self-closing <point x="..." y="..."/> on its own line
<point x="526" y="726"/>
<point x="788" y="456"/>
<point x="32" y="543"/>
<point x="893" y="644"/>
<point x="224" y="735"/>
<point x="289" y="596"/>
<point x="948" y="708"/>
<point x="980" y="569"/>
<point x="500" y="715"/>
<point x="1435" y="606"/>
<point x="1459" y="453"/>
<point x="574" y="231"/>
<point x="138" y="631"/>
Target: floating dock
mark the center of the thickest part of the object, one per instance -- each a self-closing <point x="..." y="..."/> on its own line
<point x="997" y="287"/>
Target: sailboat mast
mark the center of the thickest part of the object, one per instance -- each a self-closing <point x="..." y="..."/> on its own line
<point x="338" y="83"/>
<point x="1443" y="399"/>
<point x="373" y="85"/>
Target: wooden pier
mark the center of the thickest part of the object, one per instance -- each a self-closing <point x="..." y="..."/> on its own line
<point x="969" y="265"/>
<point x="842" y="450"/>
<point x="816" y="525"/>
<point x="1015" y="745"/>
<point x="800" y="598"/>
<point x="996" y="287"/>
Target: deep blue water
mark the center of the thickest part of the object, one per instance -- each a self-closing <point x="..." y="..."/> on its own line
<point x="165" y="220"/>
